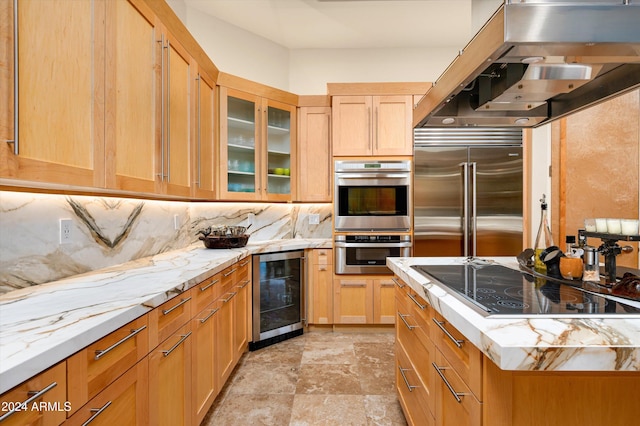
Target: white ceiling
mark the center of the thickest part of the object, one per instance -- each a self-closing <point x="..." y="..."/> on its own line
<point x="359" y="24"/>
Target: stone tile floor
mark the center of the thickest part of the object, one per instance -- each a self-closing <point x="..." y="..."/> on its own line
<point x="319" y="378"/>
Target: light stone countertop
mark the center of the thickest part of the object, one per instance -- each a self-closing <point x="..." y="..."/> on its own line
<point x="530" y="343"/>
<point x="44" y="324"/>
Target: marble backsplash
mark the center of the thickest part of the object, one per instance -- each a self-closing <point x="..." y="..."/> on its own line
<point x="107" y="231"/>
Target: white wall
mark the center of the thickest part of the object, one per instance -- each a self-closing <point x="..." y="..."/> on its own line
<point x="540" y="179"/>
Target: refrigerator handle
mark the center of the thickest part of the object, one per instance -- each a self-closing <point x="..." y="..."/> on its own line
<point x="473" y="217"/>
<point x="465" y="207"/>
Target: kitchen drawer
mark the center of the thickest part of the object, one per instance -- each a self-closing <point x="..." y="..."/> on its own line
<point x="411" y="392"/>
<point x="322" y="257"/>
<point x="455" y="404"/>
<point x="464" y="357"/>
<point x="123" y="402"/>
<point x="422" y="309"/>
<point x="99" y="364"/>
<point x="410" y="330"/>
<point x="20" y="405"/>
<point x="229" y="278"/>
<point x="206" y="292"/>
<point x="168" y="317"/>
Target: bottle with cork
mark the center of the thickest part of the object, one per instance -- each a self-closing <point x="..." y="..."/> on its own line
<point x="544" y="238"/>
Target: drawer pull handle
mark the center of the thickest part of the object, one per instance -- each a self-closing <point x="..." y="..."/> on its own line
<point x="230" y="297"/>
<point x="173" y="348"/>
<point x="96" y="412"/>
<point x="455" y="394"/>
<point x="101" y="352"/>
<point x="182" y="302"/>
<point x="440" y="325"/>
<point x="245" y="263"/>
<point x="244" y="284"/>
<point x="406" y="381"/>
<point x="410" y="327"/>
<point x="398" y="283"/>
<point x="420" y="305"/>
<point x="230" y="272"/>
<point x="33" y="395"/>
<point x="208" y="286"/>
<point x="213" y="312"/>
<point x="356" y="284"/>
<point x="387" y="284"/>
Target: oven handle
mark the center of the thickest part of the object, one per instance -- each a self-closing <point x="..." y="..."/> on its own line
<point x="371" y="245"/>
<point x="399" y="175"/>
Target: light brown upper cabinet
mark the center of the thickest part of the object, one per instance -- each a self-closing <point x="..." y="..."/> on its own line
<point x="257" y="147"/>
<point x="148" y="107"/>
<point x="314" y="153"/>
<point x="58" y="114"/>
<point x="204" y="151"/>
<point x="372" y="125"/>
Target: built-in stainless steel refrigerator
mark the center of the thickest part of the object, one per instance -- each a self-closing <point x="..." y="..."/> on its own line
<point x="468" y="192"/>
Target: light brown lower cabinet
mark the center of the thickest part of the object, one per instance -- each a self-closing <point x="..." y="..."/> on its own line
<point x="123" y="402"/>
<point x="440" y="372"/>
<point x="205" y="382"/>
<point x="32" y="402"/>
<point x="320" y="286"/>
<point x="363" y="299"/>
<point x="170" y="380"/>
<point x="164" y="368"/>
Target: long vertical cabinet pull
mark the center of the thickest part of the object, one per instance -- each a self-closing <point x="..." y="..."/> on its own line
<point x="161" y="174"/>
<point x="168" y="111"/>
<point x="33" y="395"/>
<point x="15" y="79"/>
<point x="198" y="130"/>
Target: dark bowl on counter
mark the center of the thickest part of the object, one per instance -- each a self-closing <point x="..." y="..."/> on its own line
<point x="224" y="242"/>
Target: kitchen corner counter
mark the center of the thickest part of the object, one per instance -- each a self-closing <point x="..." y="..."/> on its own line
<point x="44" y="324"/>
<point x="531" y="343"/>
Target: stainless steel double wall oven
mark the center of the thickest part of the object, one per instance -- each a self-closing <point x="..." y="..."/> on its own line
<point x="372" y="214"/>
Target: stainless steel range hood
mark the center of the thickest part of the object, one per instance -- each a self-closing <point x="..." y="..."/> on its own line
<point x="536" y="61"/>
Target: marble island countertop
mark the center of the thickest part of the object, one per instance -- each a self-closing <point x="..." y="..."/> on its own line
<point x="44" y="324"/>
<point x="531" y="343"/>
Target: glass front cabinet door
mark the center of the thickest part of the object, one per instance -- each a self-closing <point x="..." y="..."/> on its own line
<point x="257" y="147"/>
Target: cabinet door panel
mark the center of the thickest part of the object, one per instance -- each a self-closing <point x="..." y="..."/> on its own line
<point x="314" y="151"/>
<point x="351" y="118"/>
<point x="353" y="302"/>
<point x="393" y="125"/>
<point x="205" y="383"/>
<point x="59" y="137"/>
<point x="384" y="309"/>
<point x="132" y="103"/>
<point x="177" y="118"/>
<point x="464" y="411"/>
<point x="206" y="159"/>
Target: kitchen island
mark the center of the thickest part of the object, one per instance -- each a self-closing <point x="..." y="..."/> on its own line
<point x="467" y="368"/>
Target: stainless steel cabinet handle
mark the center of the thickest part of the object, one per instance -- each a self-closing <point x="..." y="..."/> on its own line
<point x="244" y="284"/>
<point x="161" y="41"/>
<point x="387" y="284"/>
<point x="455" y="394"/>
<point x="465" y="222"/>
<point x="16" y="93"/>
<point x="473" y="216"/>
<point x="412" y="297"/>
<point x="173" y="348"/>
<point x="356" y="284"/>
<point x="402" y="316"/>
<point x="440" y="325"/>
<point x="100" y="353"/>
<point x="198" y="113"/>
<point x="370" y="128"/>
<point x="212" y="313"/>
<point x="182" y="302"/>
<point x="34" y="395"/>
<point x="96" y="412"/>
<point x="168" y="110"/>
<point x="230" y="272"/>
<point x="398" y="283"/>
<point x="208" y="286"/>
<point x="230" y="297"/>
<point x="406" y="381"/>
<point x="245" y="263"/>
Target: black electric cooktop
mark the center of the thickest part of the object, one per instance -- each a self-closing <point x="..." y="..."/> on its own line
<point x="495" y="290"/>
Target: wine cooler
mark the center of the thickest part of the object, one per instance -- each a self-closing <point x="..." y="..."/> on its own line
<point x="278" y="297"/>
